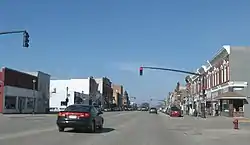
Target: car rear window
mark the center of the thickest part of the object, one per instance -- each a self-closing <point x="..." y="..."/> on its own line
<point x="153" y="108"/>
<point x="78" y="108"/>
<point x="175" y="109"/>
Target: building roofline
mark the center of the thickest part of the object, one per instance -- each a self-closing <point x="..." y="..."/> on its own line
<point x="208" y="62"/>
<point x="23" y="72"/>
<point x="224" y="48"/>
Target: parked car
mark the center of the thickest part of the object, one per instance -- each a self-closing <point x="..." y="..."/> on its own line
<point x="144" y="109"/>
<point x="175" y="112"/>
<point x="80" y="116"/>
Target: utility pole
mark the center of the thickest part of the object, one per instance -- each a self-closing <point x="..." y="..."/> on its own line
<point x="67" y="96"/>
<point x="25" y="36"/>
<point x="202" y="76"/>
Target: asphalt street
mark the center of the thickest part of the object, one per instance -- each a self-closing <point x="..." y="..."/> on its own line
<point x="121" y="128"/>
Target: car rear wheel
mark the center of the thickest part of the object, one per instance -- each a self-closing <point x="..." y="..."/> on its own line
<point x="93" y="127"/>
<point x="101" y="126"/>
<point x="60" y="129"/>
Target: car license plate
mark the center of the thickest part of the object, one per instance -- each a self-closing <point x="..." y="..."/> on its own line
<point x="72" y="117"/>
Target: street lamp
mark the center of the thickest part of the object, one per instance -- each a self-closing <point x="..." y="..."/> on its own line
<point x="34" y="97"/>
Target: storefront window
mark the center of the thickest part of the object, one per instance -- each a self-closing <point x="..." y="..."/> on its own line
<point x="225" y="105"/>
<point x="10" y="102"/>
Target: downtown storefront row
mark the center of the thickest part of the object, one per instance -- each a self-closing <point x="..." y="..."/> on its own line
<point x="225" y="83"/>
<point x="229" y="99"/>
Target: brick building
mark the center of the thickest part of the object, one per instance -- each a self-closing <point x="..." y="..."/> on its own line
<point x="117" y="94"/>
<point x="125" y="99"/>
<point x="226" y="82"/>
<point x="24" y="92"/>
<point x="106" y="91"/>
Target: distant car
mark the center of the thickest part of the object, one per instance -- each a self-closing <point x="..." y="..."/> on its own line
<point x="80" y="117"/>
<point x="175" y="112"/>
<point x="153" y="110"/>
<point x="144" y="109"/>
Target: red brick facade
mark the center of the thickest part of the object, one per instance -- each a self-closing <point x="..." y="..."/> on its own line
<point x="10" y="77"/>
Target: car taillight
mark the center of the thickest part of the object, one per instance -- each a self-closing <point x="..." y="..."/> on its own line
<point x="83" y="115"/>
<point x="174" y="112"/>
<point x="62" y="114"/>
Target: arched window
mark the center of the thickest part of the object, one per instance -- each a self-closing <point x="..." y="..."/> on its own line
<point x="215" y="76"/>
<point x="218" y="76"/>
<point x="213" y="79"/>
<point x="225" y="73"/>
<point x="228" y="72"/>
<point x="209" y="80"/>
<point x="221" y="73"/>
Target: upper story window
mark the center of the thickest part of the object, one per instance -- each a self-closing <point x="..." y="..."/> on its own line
<point x="227" y="71"/>
<point x="222" y="73"/>
<point x="218" y="76"/>
<point x="213" y="79"/>
<point x="209" y="80"/>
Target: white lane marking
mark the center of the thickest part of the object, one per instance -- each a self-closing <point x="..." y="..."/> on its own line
<point x="125" y="113"/>
<point x="26" y="133"/>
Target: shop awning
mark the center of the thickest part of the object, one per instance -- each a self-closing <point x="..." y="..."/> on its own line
<point x="230" y="95"/>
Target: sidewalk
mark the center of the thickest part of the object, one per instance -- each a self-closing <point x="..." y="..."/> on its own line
<point x="219" y="122"/>
<point x="211" y="130"/>
<point x="242" y="119"/>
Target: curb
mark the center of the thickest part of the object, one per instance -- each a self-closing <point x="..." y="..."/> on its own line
<point x="244" y="120"/>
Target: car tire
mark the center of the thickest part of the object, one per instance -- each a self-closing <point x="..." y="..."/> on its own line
<point x="93" y="127"/>
<point x="101" y="126"/>
<point x="60" y="129"/>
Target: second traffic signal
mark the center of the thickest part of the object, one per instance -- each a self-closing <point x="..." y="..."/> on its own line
<point x="141" y="71"/>
<point x="26" y="39"/>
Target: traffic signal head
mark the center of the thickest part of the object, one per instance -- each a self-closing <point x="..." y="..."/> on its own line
<point x="25" y="39"/>
<point x="141" y="71"/>
<point x="67" y="101"/>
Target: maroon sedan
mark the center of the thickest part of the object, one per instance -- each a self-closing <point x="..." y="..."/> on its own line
<point x="175" y="112"/>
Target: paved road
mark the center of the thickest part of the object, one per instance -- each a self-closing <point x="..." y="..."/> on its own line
<point x="124" y="128"/>
<point x="20" y="122"/>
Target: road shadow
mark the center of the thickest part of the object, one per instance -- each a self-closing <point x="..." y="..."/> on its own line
<point x="98" y="131"/>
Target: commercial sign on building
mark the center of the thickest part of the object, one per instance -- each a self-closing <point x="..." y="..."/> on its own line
<point x="214" y="94"/>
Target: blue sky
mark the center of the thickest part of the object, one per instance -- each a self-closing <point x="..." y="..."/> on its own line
<point x="76" y="39"/>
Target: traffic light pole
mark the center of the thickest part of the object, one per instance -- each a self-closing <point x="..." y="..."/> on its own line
<point x="25" y="36"/>
<point x="12" y="32"/>
<point x="203" y="113"/>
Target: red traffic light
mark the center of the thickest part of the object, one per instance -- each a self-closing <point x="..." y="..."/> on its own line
<point x="141" y="71"/>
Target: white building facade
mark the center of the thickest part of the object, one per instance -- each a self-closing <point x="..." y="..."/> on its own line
<point x="76" y="91"/>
